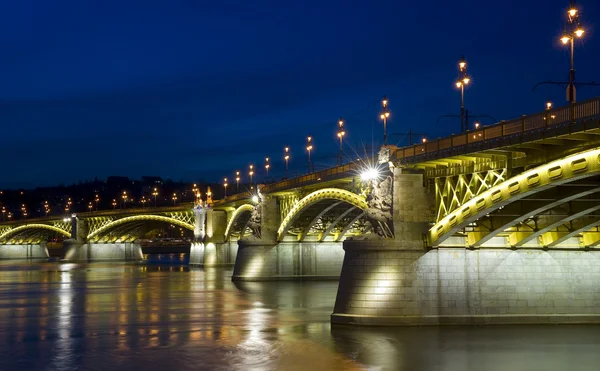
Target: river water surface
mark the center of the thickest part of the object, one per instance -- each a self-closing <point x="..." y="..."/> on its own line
<point x="162" y="315"/>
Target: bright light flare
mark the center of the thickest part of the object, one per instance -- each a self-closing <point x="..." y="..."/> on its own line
<point x="255" y="199"/>
<point x="369" y="174"/>
<point x="565" y="39"/>
<point x="579" y="32"/>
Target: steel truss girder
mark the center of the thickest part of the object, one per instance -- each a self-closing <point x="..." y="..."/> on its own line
<point x="314" y="220"/>
<point x="571" y="168"/>
<point x="524" y="209"/>
<point x="107" y="227"/>
<point x="30" y="230"/>
<point x="301" y="205"/>
<point x="334" y="223"/>
<point x="453" y="191"/>
<point x="237" y="213"/>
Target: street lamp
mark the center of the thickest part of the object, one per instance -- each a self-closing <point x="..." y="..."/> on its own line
<point x="340" y="134"/>
<point x="384" y="116"/>
<point x="286" y="157"/>
<point x="237" y="181"/>
<point x="195" y="192"/>
<point x="309" y="148"/>
<point x="462" y="81"/>
<point x="114" y="203"/>
<point x="96" y="200"/>
<point x="225" y="186"/>
<point x="124" y="199"/>
<point x="155" y="193"/>
<point x="174" y="198"/>
<point x="90" y="206"/>
<point x="3" y="212"/>
<point x="267" y="166"/>
<point x="572" y="30"/>
<point x="251" y="173"/>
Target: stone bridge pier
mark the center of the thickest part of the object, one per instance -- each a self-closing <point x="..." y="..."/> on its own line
<point x="261" y="257"/>
<point x="209" y="248"/>
<point x="398" y="281"/>
<point x="78" y="248"/>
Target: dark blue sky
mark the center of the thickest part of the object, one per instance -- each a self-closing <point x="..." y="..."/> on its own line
<point x="196" y="89"/>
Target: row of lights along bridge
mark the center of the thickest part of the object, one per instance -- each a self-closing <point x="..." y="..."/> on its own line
<point x="572" y="31"/>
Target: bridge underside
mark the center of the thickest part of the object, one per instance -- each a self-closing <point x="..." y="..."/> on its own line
<point x="564" y="216"/>
<point x="134" y="230"/>
<point x="326" y="220"/>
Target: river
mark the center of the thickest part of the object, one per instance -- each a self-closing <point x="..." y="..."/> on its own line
<point x="163" y="315"/>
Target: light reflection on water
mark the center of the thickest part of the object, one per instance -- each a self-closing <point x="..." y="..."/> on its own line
<point x="164" y="315"/>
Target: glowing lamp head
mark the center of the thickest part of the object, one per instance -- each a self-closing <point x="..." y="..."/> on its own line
<point x="548" y="105"/>
<point x="477" y="125"/>
<point x="369" y="174"/>
<point x="565" y="39"/>
<point x="384" y="102"/>
<point x="458" y="84"/>
<point x="462" y="64"/>
<point x="572" y="12"/>
<point x="424" y="140"/>
<point x="466" y="80"/>
<point x="579" y="32"/>
<point x="382" y="116"/>
<point x="255" y="199"/>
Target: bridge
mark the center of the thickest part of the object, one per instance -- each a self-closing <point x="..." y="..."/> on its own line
<point x="495" y="225"/>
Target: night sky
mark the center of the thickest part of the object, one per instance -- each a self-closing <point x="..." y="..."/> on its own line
<point x="198" y="89"/>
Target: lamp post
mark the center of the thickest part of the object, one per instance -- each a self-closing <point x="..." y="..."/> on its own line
<point x="309" y="148"/>
<point x="461" y="82"/>
<point x="3" y="212"/>
<point x="237" y="181"/>
<point x="384" y="116"/>
<point x="225" y="186"/>
<point x="341" y="132"/>
<point x="195" y="192"/>
<point x="174" y="198"/>
<point x="251" y="173"/>
<point x="572" y="30"/>
<point x="114" y="203"/>
<point x="286" y="157"/>
<point x="267" y="166"/>
<point x="124" y="199"/>
<point x="97" y="200"/>
<point x="155" y="193"/>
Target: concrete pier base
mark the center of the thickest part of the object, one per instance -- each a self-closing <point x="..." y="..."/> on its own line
<point x="211" y="254"/>
<point x="28" y="251"/>
<point x="124" y="251"/>
<point x="260" y="261"/>
<point x="381" y="284"/>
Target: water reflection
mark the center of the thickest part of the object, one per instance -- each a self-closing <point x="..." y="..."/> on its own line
<point x="56" y="316"/>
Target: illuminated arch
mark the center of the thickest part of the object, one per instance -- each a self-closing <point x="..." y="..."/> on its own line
<point x="17" y="230"/>
<point x="565" y="170"/>
<point x="137" y="218"/>
<point x="235" y="216"/>
<point x="316" y="196"/>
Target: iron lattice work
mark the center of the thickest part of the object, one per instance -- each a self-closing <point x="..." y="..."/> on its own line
<point x="34" y="233"/>
<point x="110" y="229"/>
<point x="326" y="199"/>
<point x="525" y="208"/>
<point x="286" y="203"/>
<point x="454" y="191"/>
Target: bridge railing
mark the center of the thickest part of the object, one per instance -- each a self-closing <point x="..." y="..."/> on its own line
<point x="539" y="121"/>
<point x="323" y="175"/>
